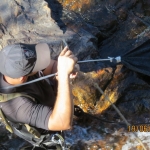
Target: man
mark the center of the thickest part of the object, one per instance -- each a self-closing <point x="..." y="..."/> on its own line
<point x="20" y="64"/>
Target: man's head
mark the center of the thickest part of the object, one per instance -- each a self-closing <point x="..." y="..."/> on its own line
<point x="19" y="60"/>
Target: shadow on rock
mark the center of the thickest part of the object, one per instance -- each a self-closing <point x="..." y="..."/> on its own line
<point x="56" y="13"/>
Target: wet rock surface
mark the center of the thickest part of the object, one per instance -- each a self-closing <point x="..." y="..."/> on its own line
<point x="93" y="29"/>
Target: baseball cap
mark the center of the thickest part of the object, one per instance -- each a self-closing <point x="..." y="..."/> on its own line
<point x="18" y="60"/>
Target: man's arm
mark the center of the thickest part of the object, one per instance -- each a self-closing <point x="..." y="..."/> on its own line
<point x="62" y="114"/>
<point x="61" y="117"/>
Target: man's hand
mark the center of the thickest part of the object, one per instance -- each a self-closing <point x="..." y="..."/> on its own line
<point x="62" y="113"/>
<point x="64" y="65"/>
<point x="66" y="62"/>
<point x="75" y="71"/>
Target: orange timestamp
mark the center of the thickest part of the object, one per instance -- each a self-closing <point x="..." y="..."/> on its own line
<point x="140" y="128"/>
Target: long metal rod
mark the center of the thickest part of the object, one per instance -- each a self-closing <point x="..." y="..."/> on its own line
<point x="41" y="78"/>
<point x="84" y="61"/>
<point x="51" y="75"/>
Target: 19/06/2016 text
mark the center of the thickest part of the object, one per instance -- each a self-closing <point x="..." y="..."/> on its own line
<point x="140" y="128"/>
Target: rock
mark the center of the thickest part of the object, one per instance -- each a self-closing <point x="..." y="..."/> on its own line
<point x="93" y="29"/>
<point x="110" y="142"/>
<point x="112" y="91"/>
<point x="85" y="94"/>
<point x="32" y="22"/>
<point x="121" y="86"/>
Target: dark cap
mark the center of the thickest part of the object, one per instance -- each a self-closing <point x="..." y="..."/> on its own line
<point x="19" y="60"/>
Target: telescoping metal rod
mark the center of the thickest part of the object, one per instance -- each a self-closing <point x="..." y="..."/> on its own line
<point x="85" y="61"/>
<point x="41" y="78"/>
<point x="51" y="75"/>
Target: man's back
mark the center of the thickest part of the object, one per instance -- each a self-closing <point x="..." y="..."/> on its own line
<point x="20" y="64"/>
<point x="23" y="109"/>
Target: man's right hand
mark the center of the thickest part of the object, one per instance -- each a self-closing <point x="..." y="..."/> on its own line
<point x="62" y="113"/>
<point x="66" y="62"/>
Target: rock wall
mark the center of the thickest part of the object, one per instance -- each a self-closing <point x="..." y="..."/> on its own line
<point x="93" y="29"/>
<point x="37" y="21"/>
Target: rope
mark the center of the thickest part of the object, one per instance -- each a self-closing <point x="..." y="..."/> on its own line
<point x="120" y="114"/>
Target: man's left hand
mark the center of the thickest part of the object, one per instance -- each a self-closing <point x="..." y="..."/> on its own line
<point x="75" y="71"/>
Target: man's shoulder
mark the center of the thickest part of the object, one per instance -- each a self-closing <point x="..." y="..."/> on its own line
<point x="20" y="98"/>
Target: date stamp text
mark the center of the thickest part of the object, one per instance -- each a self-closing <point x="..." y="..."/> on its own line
<point x="139" y="128"/>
